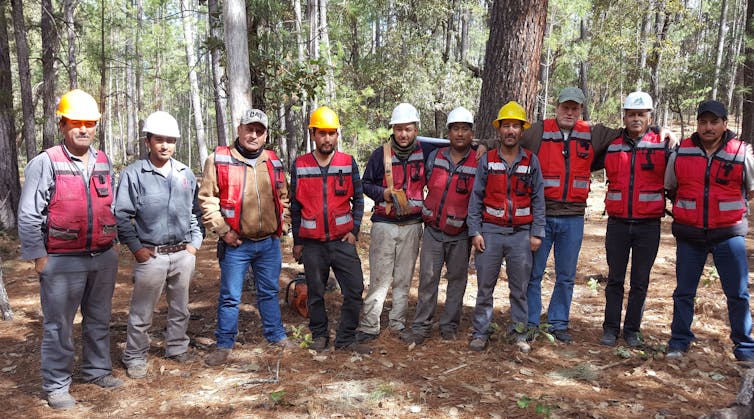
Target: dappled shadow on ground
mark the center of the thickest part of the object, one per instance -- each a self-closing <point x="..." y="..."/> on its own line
<point x="438" y="378"/>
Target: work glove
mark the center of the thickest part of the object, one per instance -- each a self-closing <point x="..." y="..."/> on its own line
<point x="400" y="200"/>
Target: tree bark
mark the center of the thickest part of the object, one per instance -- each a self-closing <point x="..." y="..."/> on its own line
<point x="69" y="8"/>
<point x="237" y="50"/>
<point x="5" y="308"/>
<point x="101" y="132"/>
<point x="10" y="187"/>
<point x="188" y="33"/>
<point x="584" y="71"/>
<point x="49" y="51"/>
<point x="720" y="48"/>
<point x="511" y="63"/>
<point x="24" y="78"/>
<point x="747" y="126"/>
<point x="215" y="29"/>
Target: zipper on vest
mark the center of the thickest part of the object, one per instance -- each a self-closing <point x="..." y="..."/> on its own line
<point x="89" y="211"/>
<point x="325" y="175"/>
<point x="259" y="196"/>
<point x="631" y="184"/>
<point x="706" y="190"/>
<point x="445" y="192"/>
<point x="567" y="164"/>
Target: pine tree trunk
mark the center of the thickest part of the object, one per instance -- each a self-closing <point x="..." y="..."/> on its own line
<point x="24" y="78"/>
<point x="237" y="50"/>
<point x="747" y="127"/>
<point x="102" y="132"/>
<point x="188" y="33"/>
<point x="69" y="7"/>
<point x="5" y="308"/>
<point x="10" y="187"/>
<point x="720" y="48"/>
<point x="49" y="51"/>
<point x="512" y="57"/>
<point x="215" y="28"/>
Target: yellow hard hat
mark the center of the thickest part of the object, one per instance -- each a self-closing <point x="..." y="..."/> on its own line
<point x="78" y="105"/>
<point x="324" y="117"/>
<point x="511" y="110"/>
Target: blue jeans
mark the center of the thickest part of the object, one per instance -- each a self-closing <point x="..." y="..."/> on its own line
<point x="730" y="260"/>
<point x="565" y="233"/>
<point x="265" y="258"/>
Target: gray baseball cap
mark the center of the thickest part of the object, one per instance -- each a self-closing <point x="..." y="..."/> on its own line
<point x="251" y="116"/>
<point x="571" y="93"/>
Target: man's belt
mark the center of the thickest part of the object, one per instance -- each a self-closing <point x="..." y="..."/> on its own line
<point x="167" y="248"/>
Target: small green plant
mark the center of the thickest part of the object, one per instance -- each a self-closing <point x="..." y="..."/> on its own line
<point x="542" y="330"/>
<point x="277" y="397"/>
<point x="299" y="333"/>
<point x="593" y="284"/>
<point x="622" y="352"/>
<point x="384" y="390"/>
<point x="710" y="277"/>
<point x="541" y="406"/>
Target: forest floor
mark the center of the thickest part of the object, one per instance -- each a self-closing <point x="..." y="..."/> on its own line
<point x="436" y="379"/>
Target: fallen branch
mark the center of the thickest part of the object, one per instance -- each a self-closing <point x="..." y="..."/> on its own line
<point x="455" y="368"/>
<point x="274" y="380"/>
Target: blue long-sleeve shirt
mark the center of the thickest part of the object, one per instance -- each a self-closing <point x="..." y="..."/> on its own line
<point x="476" y="205"/>
<point x="154" y="210"/>
<point x="357" y="200"/>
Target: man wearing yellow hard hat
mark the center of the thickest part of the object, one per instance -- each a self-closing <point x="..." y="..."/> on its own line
<point x="506" y="220"/>
<point x="327" y="204"/>
<point x="66" y="226"/>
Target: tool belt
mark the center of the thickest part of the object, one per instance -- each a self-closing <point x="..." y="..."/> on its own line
<point x="166" y="248"/>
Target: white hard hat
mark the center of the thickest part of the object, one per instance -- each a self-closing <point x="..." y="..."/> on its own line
<point x="162" y="123"/>
<point x="638" y="100"/>
<point x="460" y="114"/>
<point x="404" y="113"/>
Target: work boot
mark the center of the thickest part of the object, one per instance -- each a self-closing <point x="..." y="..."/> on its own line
<point x="183" y="358"/>
<point x="284" y="343"/>
<point x="562" y="335"/>
<point x="362" y="337"/>
<point x="218" y="357"/>
<point x="446" y="334"/>
<point x="357" y="347"/>
<point x="520" y="341"/>
<point x="136" y="370"/>
<point x="108" y="381"/>
<point x="674" y="354"/>
<point x="632" y="339"/>
<point x="408" y="336"/>
<point x="320" y="343"/>
<point x="478" y="344"/>
<point x="60" y="400"/>
<point x="608" y="339"/>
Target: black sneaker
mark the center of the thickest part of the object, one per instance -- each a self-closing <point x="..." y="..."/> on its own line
<point x="632" y="340"/>
<point x="448" y="334"/>
<point x="608" y="339"/>
<point x="359" y="348"/>
<point x="562" y="335"/>
<point x="362" y="337"/>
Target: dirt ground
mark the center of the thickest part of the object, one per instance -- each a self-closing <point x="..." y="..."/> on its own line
<point x="436" y="379"/>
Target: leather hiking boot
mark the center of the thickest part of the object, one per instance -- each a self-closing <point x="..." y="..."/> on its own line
<point x="674" y="354"/>
<point x="562" y="335"/>
<point x="408" y="336"/>
<point x="183" y="358"/>
<point x="284" y="343"/>
<point x="108" y="381"/>
<point x="320" y="344"/>
<point x="363" y="337"/>
<point x="218" y="357"/>
<point x="478" y="344"/>
<point x="608" y="339"/>
<point x="136" y="371"/>
<point x="520" y="341"/>
<point x="60" y="400"/>
<point x="359" y="348"/>
<point x="448" y="335"/>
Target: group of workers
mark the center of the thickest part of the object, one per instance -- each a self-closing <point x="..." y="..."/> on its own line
<point x="511" y="200"/>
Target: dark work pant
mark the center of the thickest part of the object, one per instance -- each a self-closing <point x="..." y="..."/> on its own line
<point x="318" y="258"/>
<point x="641" y="240"/>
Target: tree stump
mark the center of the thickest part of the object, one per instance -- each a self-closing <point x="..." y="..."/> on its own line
<point x="4" y="303"/>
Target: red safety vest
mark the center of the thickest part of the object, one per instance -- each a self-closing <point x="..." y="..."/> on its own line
<point x="80" y="217"/>
<point x="231" y="179"/>
<point x="636" y="178"/>
<point x="412" y="182"/>
<point x="507" y="198"/>
<point x="711" y="192"/>
<point x="325" y="199"/>
<point x="566" y="165"/>
<point x="448" y="192"/>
